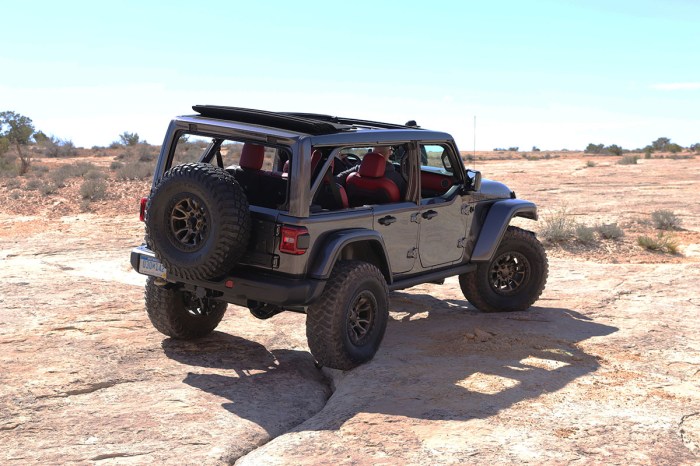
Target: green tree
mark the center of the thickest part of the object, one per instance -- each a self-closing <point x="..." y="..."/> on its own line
<point x="661" y="144"/>
<point x="18" y="129"/>
<point x="695" y="147"/>
<point x="129" y="139"/>
<point x="614" y="149"/>
<point x="674" y="148"/>
<point x="40" y="137"/>
<point x="594" y="148"/>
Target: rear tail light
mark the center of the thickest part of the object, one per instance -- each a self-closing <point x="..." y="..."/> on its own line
<point x="142" y="210"/>
<point x="294" y="240"/>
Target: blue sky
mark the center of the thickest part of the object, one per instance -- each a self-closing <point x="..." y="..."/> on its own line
<point x="554" y="74"/>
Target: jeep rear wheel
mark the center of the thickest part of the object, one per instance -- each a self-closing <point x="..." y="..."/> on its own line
<point x="346" y="325"/>
<point x="197" y="221"/>
<point x="180" y="314"/>
<point x="513" y="280"/>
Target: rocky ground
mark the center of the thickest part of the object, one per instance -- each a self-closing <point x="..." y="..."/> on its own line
<point x="604" y="369"/>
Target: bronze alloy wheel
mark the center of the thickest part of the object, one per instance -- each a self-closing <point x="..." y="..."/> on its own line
<point x="509" y="272"/>
<point x="189" y="222"/>
<point x="361" y="317"/>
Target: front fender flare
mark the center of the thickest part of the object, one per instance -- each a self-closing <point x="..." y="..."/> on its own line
<point x="328" y="252"/>
<point x="496" y="223"/>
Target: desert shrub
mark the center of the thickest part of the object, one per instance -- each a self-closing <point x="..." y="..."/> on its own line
<point x="590" y="163"/>
<point x="48" y="188"/>
<point x="94" y="175"/>
<point x="33" y="184"/>
<point x="115" y="165"/>
<point x="660" y="243"/>
<point x="585" y="234"/>
<point x="16" y="194"/>
<point x="93" y="189"/>
<point x="147" y="153"/>
<point x="13" y="183"/>
<point x="55" y="147"/>
<point x="135" y="171"/>
<point x="81" y="168"/>
<point x="609" y="231"/>
<point x="38" y="170"/>
<point x="64" y="172"/>
<point x="558" y="226"/>
<point x="628" y="160"/>
<point x="665" y="220"/>
<point x="8" y="166"/>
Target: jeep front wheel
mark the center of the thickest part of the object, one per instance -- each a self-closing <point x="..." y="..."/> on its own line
<point x="346" y="324"/>
<point x="513" y="280"/>
<point x="180" y="314"/>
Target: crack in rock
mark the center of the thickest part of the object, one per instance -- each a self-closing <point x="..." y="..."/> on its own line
<point x="109" y="456"/>
<point x="689" y="428"/>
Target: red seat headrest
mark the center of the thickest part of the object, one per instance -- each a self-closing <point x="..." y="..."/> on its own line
<point x="373" y="165"/>
<point x="252" y="156"/>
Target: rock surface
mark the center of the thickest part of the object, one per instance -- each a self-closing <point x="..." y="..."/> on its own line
<point x="604" y="369"/>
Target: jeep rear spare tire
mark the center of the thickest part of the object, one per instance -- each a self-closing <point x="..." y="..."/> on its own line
<point x="197" y="221"/>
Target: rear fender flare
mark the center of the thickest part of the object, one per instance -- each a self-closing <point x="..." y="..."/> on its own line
<point x="496" y="223"/>
<point x="340" y="243"/>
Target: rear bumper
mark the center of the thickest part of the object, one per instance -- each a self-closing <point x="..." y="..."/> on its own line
<point x="249" y="285"/>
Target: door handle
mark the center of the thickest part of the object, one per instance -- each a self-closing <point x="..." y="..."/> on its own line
<point x="429" y="214"/>
<point x="388" y="220"/>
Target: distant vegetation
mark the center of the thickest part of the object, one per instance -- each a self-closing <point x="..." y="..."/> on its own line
<point x="560" y="227"/>
<point x="660" y="145"/>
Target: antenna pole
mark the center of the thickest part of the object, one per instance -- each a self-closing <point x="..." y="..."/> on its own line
<point x="474" y="147"/>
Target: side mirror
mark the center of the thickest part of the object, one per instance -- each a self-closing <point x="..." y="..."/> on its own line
<point x="474" y="181"/>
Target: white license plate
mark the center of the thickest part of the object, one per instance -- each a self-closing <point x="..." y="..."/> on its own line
<point x="152" y="266"/>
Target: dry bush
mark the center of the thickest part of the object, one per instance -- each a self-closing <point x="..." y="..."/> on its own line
<point x="609" y="231"/>
<point x="48" y="188"/>
<point x="558" y="226"/>
<point x="94" y="189"/>
<point x="135" y="171"/>
<point x="665" y="220"/>
<point x="8" y="166"/>
<point x="33" y="184"/>
<point x="628" y="160"/>
<point x="585" y="234"/>
<point x="660" y="243"/>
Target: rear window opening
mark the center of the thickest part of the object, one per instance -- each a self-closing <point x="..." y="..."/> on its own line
<point x="260" y="169"/>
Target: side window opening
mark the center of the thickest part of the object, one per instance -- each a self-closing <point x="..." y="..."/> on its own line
<point x="437" y="172"/>
<point x="372" y="174"/>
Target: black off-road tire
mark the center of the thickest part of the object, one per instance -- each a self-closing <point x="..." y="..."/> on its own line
<point x="198" y="221"/>
<point x="513" y="280"/>
<point x="180" y="314"/>
<point x="345" y="326"/>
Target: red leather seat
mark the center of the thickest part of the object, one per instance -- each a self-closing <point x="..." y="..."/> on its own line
<point x="252" y="156"/>
<point x="369" y="185"/>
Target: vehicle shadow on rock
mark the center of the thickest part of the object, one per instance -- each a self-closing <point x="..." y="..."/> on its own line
<point x="453" y="363"/>
<point x="276" y="389"/>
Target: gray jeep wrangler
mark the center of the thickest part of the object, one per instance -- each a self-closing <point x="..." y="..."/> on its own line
<point x="323" y="215"/>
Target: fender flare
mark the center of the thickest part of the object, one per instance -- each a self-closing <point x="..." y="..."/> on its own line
<point x="328" y="251"/>
<point x="496" y="223"/>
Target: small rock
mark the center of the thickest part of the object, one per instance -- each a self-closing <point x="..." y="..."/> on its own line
<point x="482" y="335"/>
